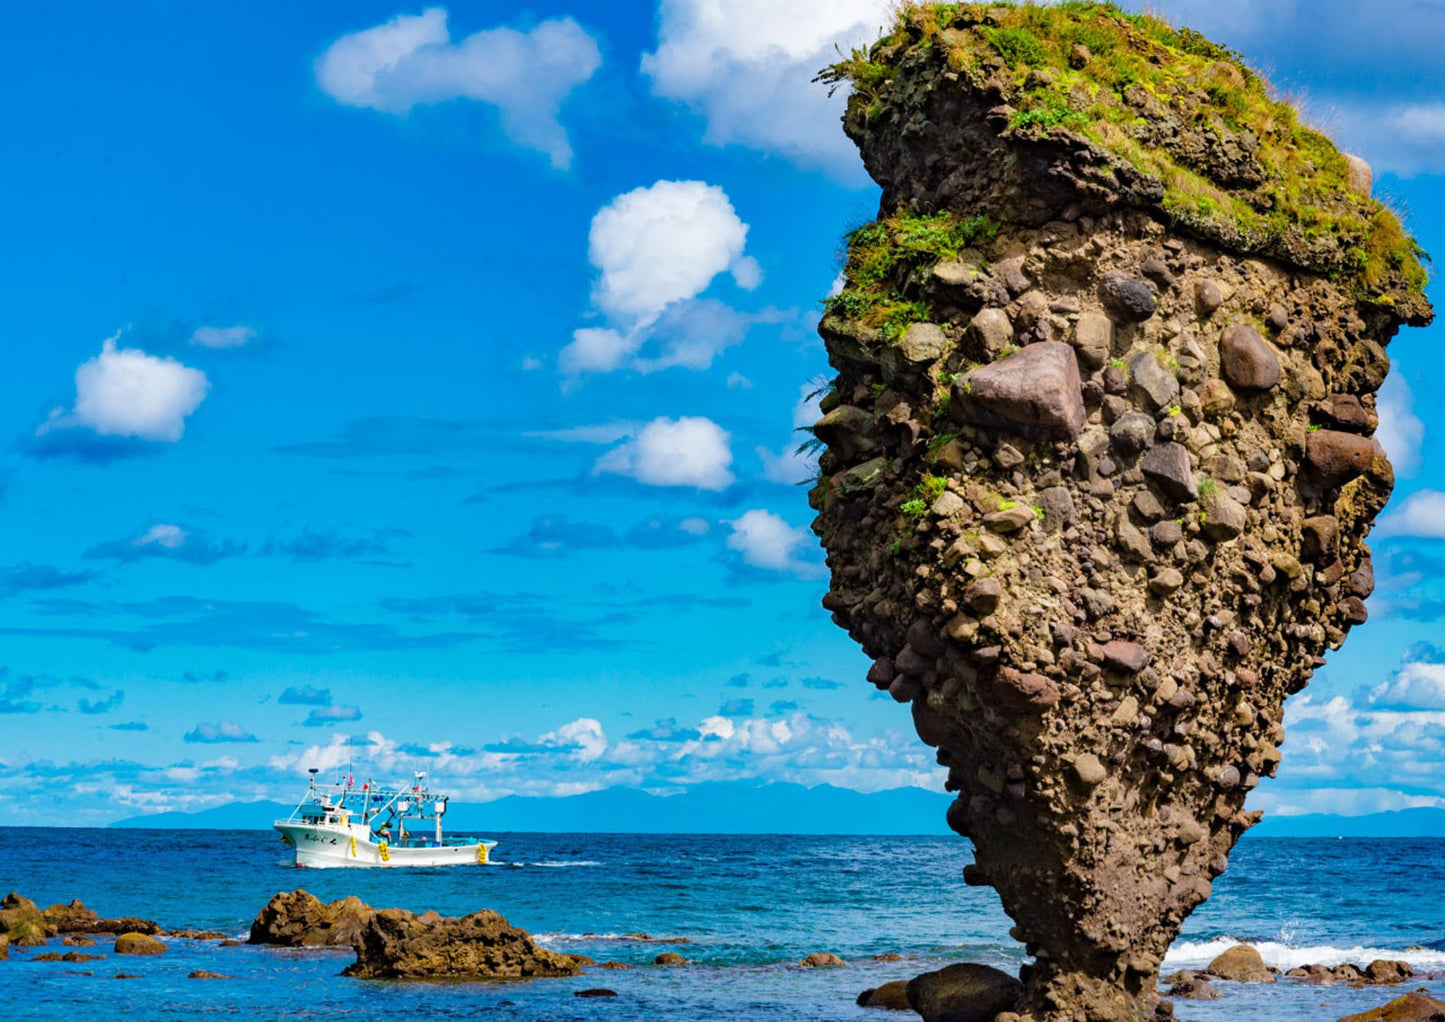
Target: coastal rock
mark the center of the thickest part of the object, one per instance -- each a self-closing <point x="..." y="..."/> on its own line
<point x="22" y="922"/>
<point x="203" y="974"/>
<point x="396" y="944"/>
<point x="74" y="941"/>
<point x="822" y="960"/>
<point x="1384" y="972"/>
<point x="71" y="918"/>
<point x="138" y="944"/>
<point x="594" y="992"/>
<point x="964" y="992"/>
<point x="1241" y="964"/>
<point x="4" y="946"/>
<point x="1416" y="1006"/>
<point x="299" y="919"/>
<point x="1102" y="796"/>
<point x="892" y="996"/>
<point x="669" y="958"/>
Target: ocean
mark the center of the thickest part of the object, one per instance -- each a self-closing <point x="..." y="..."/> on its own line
<point x="749" y="906"/>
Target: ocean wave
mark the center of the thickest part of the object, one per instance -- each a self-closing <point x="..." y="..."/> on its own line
<point x="1188" y="954"/>
<point x="606" y="938"/>
<point x="564" y="863"/>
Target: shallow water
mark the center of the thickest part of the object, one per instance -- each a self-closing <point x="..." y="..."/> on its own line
<point x="748" y="905"/>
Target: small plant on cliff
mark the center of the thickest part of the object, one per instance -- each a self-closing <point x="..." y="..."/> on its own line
<point x="916" y="507"/>
<point x="932" y="487"/>
<point x="1208" y="488"/>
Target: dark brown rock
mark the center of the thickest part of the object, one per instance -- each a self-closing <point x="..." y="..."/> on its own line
<point x="963" y="993"/>
<point x="1385" y="971"/>
<point x="983" y="595"/>
<point x="1128" y="299"/>
<point x="1339" y="457"/>
<point x="1247" y="361"/>
<point x="1121" y="655"/>
<point x="669" y="958"/>
<point x="396" y="944"/>
<point x="595" y="992"/>
<point x="1034" y="392"/>
<point x="203" y="974"/>
<point x="1167" y="465"/>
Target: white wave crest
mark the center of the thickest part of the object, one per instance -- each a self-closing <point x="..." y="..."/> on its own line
<point x="1195" y="954"/>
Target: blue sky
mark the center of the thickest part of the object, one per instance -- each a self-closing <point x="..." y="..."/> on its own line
<point x="431" y="376"/>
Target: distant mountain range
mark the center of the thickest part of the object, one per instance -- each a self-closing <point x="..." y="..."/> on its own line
<point x="742" y="808"/>
<point x="719" y="808"/>
<point x="1403" y="823"/>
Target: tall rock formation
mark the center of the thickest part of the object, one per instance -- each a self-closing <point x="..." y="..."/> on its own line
<point x="1099" y="463"/>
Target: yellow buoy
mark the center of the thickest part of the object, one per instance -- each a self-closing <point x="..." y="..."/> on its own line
<point x="385" y="852"/>
<point x="481" y="852"/>
<point x="353" y="846"/>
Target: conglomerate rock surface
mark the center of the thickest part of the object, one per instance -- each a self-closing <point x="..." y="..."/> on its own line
<point x="1099" y="461"/>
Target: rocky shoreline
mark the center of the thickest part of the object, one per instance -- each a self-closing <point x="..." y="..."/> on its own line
<point x="401" y="945"/>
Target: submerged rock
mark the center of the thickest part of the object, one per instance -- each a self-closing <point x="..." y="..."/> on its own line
<point x="1416" y="1006"/>
<point x="397" y="944"/>
<point x="1137" y="498"/>
<point x="138" y="944"/>
<point x="299" y="919"/>
<point x="822" y="960"/>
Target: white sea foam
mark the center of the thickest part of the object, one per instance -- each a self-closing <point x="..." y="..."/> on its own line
<point x="1196" y="954"/>
<point x="598" y="938"/>
<point x="565" y="864"/>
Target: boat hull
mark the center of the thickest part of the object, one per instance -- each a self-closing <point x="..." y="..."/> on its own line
<point x="322" y="847"/>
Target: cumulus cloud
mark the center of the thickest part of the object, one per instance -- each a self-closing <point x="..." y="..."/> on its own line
<point x="747" y="67"/>
<point x="688" y="451"/>
<point x="1421" y="514"/>
<point x="220" y="732"/>
<point x="411" y="60"/>
<point x="1416" y="685"/>
<point x="764" y="540"/>
<point x="656" y="249"/>
<point x="1401" y="431"/>
<point x="223" y="336"/>
<point x="124" y="392"/>
<point x="664" y="243"/>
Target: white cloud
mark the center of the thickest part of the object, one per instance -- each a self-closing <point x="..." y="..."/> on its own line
<point x="584" y="735"/>
<point x="165" y="535"/>
<point x="664" y="244"/>
<point x="223" y="336"/>
<point x="794" y="464"/>
<point x="764" y="540"/>
<point x="1416" y="684"/>
<point x="411" y="60"/>
<point x="126" y="392"/>
<point x="1421" y="514"/>
<point x="688" y="451"/>
<point x="596" y="350"/>
<point x="737" y="381"/>
<point x="747" y="66"/>
<point x="1400" y="432"/>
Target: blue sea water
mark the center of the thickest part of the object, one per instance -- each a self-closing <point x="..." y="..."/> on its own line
<point x="749" y="906"/>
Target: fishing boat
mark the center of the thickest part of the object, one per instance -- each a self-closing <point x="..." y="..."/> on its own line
<point x="342" y="824"/>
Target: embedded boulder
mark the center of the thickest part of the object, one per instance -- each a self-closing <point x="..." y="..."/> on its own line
<point x="891" y="996"/>
<point x="397" y="944"/>
<point x="1247" y="360"/>
<point x="299" y="919"/>
<point x="1034" y="392"/>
